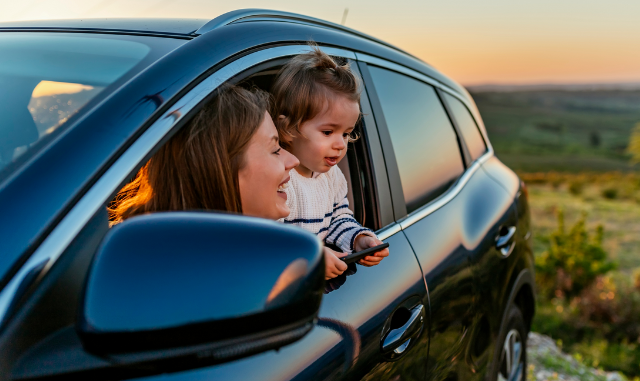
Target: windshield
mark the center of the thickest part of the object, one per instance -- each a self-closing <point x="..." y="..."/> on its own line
<point x="46" y="79"/>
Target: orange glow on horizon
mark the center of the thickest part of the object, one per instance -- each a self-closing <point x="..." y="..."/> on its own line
<point x="493" y="41"/>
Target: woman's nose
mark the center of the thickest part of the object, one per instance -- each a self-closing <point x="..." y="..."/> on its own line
<point x="290" y="161"/>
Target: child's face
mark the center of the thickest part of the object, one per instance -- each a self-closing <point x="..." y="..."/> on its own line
<point x="323" y="140"/>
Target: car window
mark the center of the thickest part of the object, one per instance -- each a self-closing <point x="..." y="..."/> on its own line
<point x="467" y="126"/>
<point x="47" y="78"/>
<point x="423" y="139"/>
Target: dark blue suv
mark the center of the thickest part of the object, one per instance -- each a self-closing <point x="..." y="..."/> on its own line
<point x="196" y="295"/>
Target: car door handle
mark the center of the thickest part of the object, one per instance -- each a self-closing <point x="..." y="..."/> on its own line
<point x="397" y="340"/>
<point x="505" y="241"/>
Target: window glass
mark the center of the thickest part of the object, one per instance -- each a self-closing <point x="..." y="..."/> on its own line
<point x="47" y="78"/>
<point x="424" y="141"/>
<point x="468" y="127"/>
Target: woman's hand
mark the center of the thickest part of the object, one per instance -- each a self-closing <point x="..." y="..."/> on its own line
<point x="334" y="266"/>
<point x="363" y="242"/>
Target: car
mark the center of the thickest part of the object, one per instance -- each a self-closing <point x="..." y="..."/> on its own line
<point x="184" y="295"/>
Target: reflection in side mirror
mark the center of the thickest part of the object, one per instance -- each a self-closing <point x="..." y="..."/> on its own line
<point x="197" y="284"/>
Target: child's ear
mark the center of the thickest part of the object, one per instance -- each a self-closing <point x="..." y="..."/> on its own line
<point x="287" y="138"/>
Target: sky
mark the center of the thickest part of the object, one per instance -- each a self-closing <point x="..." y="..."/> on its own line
<point x="474" y="42"/>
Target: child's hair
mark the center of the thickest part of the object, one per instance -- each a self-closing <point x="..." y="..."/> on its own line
<point x="303" y="87"/>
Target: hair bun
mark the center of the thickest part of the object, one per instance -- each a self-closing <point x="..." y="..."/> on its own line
<point x="322" y="60"/>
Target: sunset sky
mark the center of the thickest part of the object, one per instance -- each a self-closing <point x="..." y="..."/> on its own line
<point x="474" y="42"/>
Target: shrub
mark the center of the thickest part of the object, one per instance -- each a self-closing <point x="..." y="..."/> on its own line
<point x="611" y="306"/>
<point x="610" y="193"/>
<point x="576" y="187"/>
<point x="572" y="261"/>
<point x="599" y="353"/>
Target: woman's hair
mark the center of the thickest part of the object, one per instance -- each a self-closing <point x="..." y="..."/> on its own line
<point x="198" y="167"/>
<point x="303" y="88"/>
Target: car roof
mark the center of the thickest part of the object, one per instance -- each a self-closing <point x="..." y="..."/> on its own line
<point x="180" y="27"/>
<point x="148" y="26"/>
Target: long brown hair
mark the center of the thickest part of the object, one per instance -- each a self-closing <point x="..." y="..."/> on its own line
<point x="303" y="87"/>
<point x="198" y="167"/>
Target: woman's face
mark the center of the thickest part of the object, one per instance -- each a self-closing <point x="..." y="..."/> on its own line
<point x="265" y="170"/>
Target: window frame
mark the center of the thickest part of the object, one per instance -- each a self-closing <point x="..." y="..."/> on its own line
<point x="403" y="218"/>
<point x="379" y="192"/>
<point x="454" y="121"/>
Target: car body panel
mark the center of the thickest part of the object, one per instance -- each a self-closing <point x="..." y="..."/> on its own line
<point x="446" y="243"/>
<point x="502" y="175"/>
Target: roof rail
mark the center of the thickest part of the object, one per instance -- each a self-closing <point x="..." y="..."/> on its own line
<point x="242" y="15"/>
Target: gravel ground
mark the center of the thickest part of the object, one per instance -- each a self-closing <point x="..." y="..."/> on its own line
<point x="547" y="362"/>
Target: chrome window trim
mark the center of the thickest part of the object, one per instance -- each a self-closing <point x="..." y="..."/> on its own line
<point x="388" y="231"/>
<point x="65" y="232"/>
<point x="438" y="203"/>
<point x="421" y="77"/>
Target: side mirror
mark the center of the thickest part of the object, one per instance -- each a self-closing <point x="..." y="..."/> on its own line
<point x="200" y="285"/>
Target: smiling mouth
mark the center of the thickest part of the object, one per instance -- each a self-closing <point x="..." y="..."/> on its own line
<point x="284" y="185"/>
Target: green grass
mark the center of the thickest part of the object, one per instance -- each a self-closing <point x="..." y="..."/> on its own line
<point x="560" y="130"/>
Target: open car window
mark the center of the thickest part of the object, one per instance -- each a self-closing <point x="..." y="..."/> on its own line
<point x="354" y="165"/>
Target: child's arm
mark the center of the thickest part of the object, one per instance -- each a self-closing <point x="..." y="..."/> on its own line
<point x="344" y="229"/>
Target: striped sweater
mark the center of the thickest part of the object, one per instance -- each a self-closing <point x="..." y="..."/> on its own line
<point x="320" y="205"/>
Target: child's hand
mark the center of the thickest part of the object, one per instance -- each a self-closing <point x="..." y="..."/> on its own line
<point x="363" y="242"/>
<point x="333" y="266"/>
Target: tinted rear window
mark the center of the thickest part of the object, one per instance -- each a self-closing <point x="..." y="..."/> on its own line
<point x="468" y="127"/>
<point x="424" y="141"/>
<point x="48" y="79"/>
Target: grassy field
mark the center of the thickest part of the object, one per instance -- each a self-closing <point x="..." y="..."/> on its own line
<point x="620" y="218"/>
<point x="568" y="131"/>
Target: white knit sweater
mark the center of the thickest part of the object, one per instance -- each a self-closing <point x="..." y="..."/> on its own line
<point x="320" y="205"/>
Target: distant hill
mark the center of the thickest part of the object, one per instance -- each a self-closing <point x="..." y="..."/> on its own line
<point x="562" y="128"/>
<point x="626" y="86"/>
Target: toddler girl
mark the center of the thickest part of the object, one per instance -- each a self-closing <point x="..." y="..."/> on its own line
<point x="316" y="108"/>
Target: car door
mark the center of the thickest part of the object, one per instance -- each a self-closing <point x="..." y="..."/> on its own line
<point x="446" y="206"/>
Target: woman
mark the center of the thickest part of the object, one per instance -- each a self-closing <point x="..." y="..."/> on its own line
<point x="227" y="158"/>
